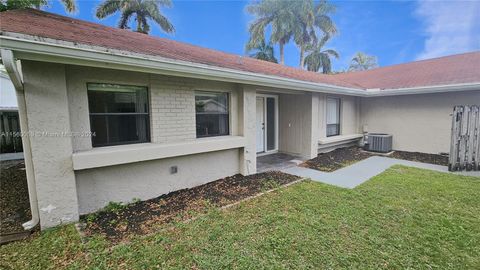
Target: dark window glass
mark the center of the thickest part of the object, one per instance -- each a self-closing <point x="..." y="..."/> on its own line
<point x="212" y="111"/>
<point x="333" y="117"/>
<point x="118" y="114"/>
<point x="271" y="123"/>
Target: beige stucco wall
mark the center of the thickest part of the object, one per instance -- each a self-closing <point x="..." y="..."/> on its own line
<point x="49" y="127"/>
<point x="418" y="122"/>
<point x="146" y="180"/>
<point x="172" y="118"/>
<point x="57" y="102"/>
<point x="297" y="124"/>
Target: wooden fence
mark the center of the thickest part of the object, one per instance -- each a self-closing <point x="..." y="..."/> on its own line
<point x="10" y="139"/>
<point x="465" y="143"/>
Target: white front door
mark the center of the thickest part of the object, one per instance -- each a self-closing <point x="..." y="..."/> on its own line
<point x="260" y="125"/>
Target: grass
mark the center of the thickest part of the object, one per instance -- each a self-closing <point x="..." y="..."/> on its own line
<point x="403" y="218"/>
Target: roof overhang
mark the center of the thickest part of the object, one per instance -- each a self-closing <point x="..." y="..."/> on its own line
<point x="31" y="48"/>
<point x="48" y="50"/>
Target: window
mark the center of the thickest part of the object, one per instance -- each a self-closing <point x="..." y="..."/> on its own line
<point x="212" y="117"/>
<point x="333" y="117"/>
<point x="118" y="114"/>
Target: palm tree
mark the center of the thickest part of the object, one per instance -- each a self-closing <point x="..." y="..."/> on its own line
<point x="312" y="18"/>
<point x="69" y="5"/>
<point x="264" y="51"/>
<point x="362" y="61"/>
<point x="318" y="58"/>
<point x="280" y="15"/>
<point x="141" y="9"/>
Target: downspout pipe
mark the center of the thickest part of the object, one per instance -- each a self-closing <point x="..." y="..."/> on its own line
<point x="11" y="66"/>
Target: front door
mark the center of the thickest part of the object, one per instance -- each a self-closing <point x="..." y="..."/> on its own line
<point x="260" y="125"/>
<point x="267" y="123"/>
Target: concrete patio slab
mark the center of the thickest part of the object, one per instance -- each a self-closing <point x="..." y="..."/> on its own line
<point x="356" y="174"/>
<point x="277" y="162"/>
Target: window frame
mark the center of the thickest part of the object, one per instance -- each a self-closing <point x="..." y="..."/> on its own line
<point x="229" y="113"/>
<point x="339" y="111"/>
<point x="146" y="114"/>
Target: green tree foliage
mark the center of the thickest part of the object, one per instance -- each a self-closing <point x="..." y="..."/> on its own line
<point x="69" y="5"/>
<point x="318" y="58"/>
<point x="313" y="21"/>
<point x="264" y="51"/>
<point x="141" y="10"/>
<point x="302" y="20"/>
<point x="362" y="61"/>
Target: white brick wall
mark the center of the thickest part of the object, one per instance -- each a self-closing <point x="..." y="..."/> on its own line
<point x="172" y="110"/>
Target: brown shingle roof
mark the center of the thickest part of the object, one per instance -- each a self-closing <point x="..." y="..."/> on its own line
<point x="454" y="69"/>
<point x="464" y="68"/>
<point x="40" y="23"/>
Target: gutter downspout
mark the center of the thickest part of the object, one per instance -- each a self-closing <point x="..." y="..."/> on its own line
<point x="17" y="80"/>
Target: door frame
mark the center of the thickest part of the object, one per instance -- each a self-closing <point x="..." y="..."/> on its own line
<point x="275" y="150"/>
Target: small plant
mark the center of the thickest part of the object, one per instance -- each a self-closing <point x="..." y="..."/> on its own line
<point x="114" y="207"/>
<point x="269" y="184"/>
<point x="91" y="217"/>
<point x="136" y="200"/>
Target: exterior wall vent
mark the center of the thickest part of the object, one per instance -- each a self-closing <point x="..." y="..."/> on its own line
<point x="379" y="142"/>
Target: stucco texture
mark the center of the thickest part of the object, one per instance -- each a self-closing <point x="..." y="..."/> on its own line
<point x="49" y="127"/>
<point x="146" y="180"/>
<point x="419" y="123"/>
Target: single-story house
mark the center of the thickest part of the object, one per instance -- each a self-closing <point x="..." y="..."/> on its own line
<point x="115" y="115"/>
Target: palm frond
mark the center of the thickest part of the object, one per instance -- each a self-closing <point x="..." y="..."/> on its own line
<point x="69" y="5"/>
<point x="124" y="18"/>
<point x="151" y="8"/>
<point x="107" y="8"/>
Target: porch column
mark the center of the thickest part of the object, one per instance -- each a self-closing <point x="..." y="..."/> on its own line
<point x="246" y="116"/>
<point x="51" y="143"/>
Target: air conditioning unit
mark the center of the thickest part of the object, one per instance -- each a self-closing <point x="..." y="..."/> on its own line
<point x="379" y="142"/>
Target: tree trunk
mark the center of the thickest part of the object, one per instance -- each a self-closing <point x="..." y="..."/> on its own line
<point x="139" y="25"/>
<point x="302" y="56"/>
<point x="282" y="56"/>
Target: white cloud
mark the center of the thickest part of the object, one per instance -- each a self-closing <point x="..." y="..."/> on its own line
<point x="450" y="27"/>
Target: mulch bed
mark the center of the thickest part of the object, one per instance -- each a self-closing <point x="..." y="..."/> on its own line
<point x="14" y="202"/>
<point x="144" y="216"/>
<point x="342" y="157"/>
<point x="336" y="159"/>
<point x="421" y="157"/>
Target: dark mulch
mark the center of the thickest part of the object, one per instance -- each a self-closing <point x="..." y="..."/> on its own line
<point x="144" y="216"/>
<point x="342" y="157"/>
<point x="14" y="203"/>
<point x="336" y="159"/>
<point x="421" y="157"/>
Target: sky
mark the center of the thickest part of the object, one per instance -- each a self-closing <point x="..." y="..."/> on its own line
<point x="394" y="31"/>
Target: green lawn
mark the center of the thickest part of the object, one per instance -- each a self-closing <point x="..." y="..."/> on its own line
<point x="403" y="218"/>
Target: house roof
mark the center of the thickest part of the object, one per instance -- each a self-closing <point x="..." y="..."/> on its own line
<point x="457" y="69"/>
<point x="453" y="69"/>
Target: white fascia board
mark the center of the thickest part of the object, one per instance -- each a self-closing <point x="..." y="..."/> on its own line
<point x="475" y="86"/>
<point x="45" y="51"/>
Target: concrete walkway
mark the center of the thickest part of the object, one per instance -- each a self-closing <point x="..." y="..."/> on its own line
<point x="11" y="156"/>
<point x="356" y="174"/>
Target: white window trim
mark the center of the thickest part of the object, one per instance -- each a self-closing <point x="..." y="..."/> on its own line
<point x="340" y="113"/>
